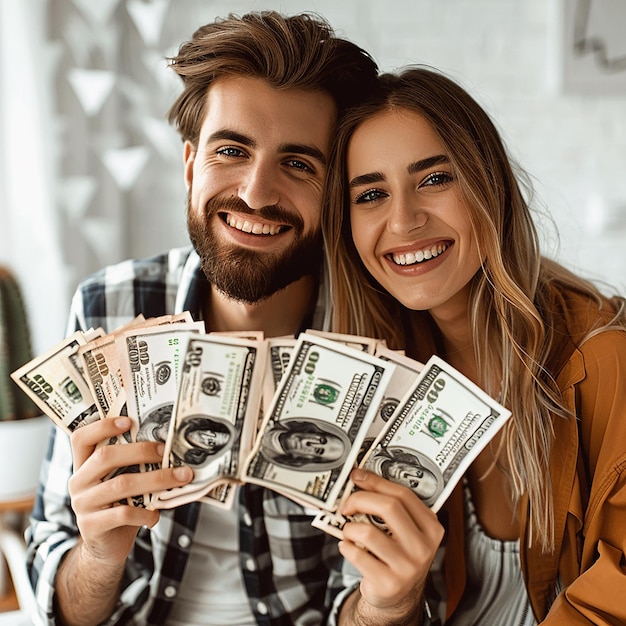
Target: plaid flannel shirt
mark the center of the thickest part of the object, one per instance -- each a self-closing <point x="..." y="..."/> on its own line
<point x="292" y="572"/>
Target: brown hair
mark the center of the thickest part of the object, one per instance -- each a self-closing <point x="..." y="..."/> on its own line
<point x="299" y="51"/>
<point x="511" y="313"/>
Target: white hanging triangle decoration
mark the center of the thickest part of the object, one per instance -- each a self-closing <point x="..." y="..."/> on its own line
<point x="148" y="18"/>
<point x="125" y="165"/>
<point x="92" y="88"/>
<point x="97" y="11"/>
<point x="102" y="235"/>
<point x="107" y="39"/>
<point x="136" y="93"/>
<point x="164" y="138"/>
<point x="78" y="39"/>
<point x="76" y="193"/>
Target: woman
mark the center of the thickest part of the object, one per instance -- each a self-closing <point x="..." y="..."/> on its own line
<point x="433" y="248"/>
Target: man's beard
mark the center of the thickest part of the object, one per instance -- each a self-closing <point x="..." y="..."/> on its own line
<point x="248" y="275"/>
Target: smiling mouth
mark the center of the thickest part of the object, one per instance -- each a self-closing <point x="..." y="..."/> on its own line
<point x="252" y="227"/>
<point x="419" y="256"/>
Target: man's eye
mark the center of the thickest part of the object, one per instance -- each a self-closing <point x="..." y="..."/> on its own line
<point x="371" y="195"/>
<point x="437" y="179"/>
<point x="230" y="151"/>
<point x="299" y="165"/>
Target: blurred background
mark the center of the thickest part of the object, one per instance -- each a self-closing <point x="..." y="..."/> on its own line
<point x="91" y="173"/>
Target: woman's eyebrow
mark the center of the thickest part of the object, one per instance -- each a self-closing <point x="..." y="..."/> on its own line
<point x="412" y="168"/>
<point x="424" y="164"/>
<point x="366" y="179"/>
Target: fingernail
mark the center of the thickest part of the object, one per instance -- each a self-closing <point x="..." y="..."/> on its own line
<point x="160" y="448"/>
<point x="122" y="422"/>
<point x="358" y="474"/>
<point x="183" y="473"/>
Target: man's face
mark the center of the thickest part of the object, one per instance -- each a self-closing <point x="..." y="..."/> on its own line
<point x="416" y="478"/>
<point x="255" y="185"/>
<point x="313" y="446"/>
<point x="208" y="439"/>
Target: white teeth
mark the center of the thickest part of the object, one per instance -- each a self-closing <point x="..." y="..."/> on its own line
<point x="418" y="256"/>
<point x="256" y="228"/>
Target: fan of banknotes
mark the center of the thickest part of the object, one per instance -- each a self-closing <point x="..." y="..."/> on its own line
<point x="294" y="415"/>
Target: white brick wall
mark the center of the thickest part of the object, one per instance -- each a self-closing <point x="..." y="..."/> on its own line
<point x="506" y="53"/>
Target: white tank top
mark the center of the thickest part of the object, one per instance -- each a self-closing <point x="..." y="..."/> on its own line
<point x="495" y="591"/>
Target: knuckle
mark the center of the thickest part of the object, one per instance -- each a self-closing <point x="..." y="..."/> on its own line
<point x="78" y="501"/>
<point x="122" y="515"/>
<point x="123" y="483"/>
<point x="101" y="454"/>
<point x="72" y="484"/>
<point x="79" y="439"/>
<point x="360" y="532"/>
<point x="388" y="507"/>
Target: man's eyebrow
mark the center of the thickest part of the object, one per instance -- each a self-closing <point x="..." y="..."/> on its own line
<point x="231" y="135"/>
<point x="412" y="168"/>
<point x="296" y="148"/>
<point x="299" y="148"/>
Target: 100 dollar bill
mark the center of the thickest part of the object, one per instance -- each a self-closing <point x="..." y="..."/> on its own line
<point x="150" y="361"/>
<point x="56" y="383"/>
<point x="440" y="427"/>
<point x="215" y="415"/>
<point x="102" y="370"/>
<point x="317" y="420"/>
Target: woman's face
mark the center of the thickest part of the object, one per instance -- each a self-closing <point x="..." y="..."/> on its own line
<point x="409" y="224"/>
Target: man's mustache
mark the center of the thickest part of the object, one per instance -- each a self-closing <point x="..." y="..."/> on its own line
<point x="271" y="213"/>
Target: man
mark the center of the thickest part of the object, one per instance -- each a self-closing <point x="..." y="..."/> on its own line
<point x="409" y="469"/>
<point x="305" y="445"/>
<point x="261" y="96"/>
<point x="201" y="438"/>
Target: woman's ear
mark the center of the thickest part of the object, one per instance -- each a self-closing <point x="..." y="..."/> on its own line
<point x="189" y="156"/>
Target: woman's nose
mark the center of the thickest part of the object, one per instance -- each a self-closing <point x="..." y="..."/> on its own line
<point x="405" y="215"/>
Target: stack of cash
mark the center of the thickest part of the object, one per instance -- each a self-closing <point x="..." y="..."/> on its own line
<point x="292" y="415"/>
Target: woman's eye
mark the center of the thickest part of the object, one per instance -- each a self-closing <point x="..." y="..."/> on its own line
<point x="371" y="195"/>
<point x="436" y="179"/>
<point x="230" y="151"/>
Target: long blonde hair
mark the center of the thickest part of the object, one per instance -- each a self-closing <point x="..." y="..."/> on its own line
<point x="511" y="314"/>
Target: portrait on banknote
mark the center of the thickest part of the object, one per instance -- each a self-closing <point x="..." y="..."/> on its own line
<point x="156" y="424"/>
<point x="305" y="444"/>
<point x="201" y="439"/>
<point x="409" y="468"/>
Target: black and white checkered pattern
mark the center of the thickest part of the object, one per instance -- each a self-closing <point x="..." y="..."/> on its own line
<point x="290" y="570"/>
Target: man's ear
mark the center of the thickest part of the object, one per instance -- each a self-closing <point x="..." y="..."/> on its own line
<point x="189" y="156"/>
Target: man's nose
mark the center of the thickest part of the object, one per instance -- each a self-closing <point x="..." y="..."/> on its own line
<point x="259" y="187"/>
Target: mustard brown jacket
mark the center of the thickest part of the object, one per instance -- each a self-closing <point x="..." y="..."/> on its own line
<point x="588" y="472"/>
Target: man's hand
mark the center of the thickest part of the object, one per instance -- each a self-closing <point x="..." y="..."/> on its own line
<point x="108" y="528"/>
<point x="90" y="574"/>
<point x="394" y="566"/>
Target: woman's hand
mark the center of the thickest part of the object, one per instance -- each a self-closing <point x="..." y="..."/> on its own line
<point x="394" y="564"/>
